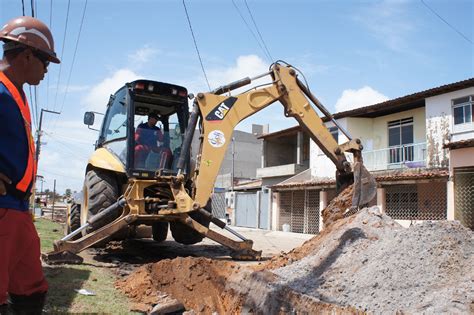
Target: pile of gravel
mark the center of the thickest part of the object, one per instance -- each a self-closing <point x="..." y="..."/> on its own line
<point x="374" y="264"/>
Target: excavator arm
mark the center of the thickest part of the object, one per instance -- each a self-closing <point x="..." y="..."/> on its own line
<point x="220" y="114"/>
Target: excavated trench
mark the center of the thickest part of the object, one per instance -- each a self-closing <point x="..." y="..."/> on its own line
<point x="363" y="263"/>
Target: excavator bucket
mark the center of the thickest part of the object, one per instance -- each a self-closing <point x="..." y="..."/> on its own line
<point x="365" y="187"/>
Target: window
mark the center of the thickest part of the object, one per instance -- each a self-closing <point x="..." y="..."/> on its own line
<point x="462" y="110"/>
<point x="400" y="138"/>
<point x="115" y="125"/>
<point x="335" y="133"/>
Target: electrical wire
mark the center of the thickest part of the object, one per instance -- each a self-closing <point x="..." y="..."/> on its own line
<point x="50" y="27"/>
<point x="73" y="58"/>
<point x="32" y="8"/>
<point x="62" y="53"/>
<point x="258" y="31"/>
<point x="447" y="23"/>
<point x="195" y="45"/>
<point x="251" y="31"/>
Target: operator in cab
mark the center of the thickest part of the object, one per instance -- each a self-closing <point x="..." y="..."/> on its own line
<point x="149" y="151"/>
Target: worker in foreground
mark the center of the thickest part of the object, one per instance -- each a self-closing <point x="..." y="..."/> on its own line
<point x="28" y="49"/>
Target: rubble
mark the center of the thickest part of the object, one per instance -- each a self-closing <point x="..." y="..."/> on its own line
<point x="366" y="262"/>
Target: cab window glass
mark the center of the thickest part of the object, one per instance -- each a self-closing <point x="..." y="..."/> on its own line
<point x="115" y="125"/>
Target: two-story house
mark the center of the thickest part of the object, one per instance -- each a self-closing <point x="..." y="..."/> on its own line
<point x="419" y="148"/>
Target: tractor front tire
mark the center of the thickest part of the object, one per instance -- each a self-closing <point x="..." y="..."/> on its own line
<point x="74" y="220"/>
<point x="159" y="231"/>
<point x="184" y="234"/>
<point x="102" y="191"/>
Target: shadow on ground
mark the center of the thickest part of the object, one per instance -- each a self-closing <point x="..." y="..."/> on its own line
<point x="63" y="281"/>
<point x="142" y="251"/>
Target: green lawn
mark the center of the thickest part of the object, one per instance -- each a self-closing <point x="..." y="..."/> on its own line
<point x="65" y="279"/>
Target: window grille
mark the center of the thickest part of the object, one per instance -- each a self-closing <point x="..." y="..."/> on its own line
<point x="427" y="201"/>
<point x="300" y="209"/>
<point x="219" y="205"/>
<point x="464" y="197"/>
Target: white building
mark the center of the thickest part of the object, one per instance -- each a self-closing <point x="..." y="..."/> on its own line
<point x="420" y="147"/>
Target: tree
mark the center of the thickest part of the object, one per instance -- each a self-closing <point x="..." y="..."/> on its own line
<point x="68" y="193"/>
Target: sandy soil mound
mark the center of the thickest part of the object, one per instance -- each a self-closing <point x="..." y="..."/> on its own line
<point x="366" y="262"/>
<point x="198" y="283"/>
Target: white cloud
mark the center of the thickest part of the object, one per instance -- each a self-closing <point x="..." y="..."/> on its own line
<point x="245" y="66"/>
<point x="98" y="96"/>
<point x="143" y="55"/>
<point x="365" y="96"/>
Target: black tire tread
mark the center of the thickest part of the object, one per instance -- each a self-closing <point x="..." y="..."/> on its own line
<point x="184" y="234"/>
<point x="159" y="231"/>
<point x="75" y="220"/>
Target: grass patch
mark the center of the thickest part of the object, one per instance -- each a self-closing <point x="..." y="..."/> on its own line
<point x="65" y="279"/>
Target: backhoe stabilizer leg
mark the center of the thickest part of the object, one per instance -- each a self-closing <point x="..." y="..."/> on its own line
<point x="65" y="251"/>
<point x="240" y="250"/>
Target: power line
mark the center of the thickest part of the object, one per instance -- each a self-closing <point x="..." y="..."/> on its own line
<point x="32" y="8"/>
<point x="251" y="31"/>
<point x="195" y="45"/>
<point x="62" y="53"/>
<point x="50" y="27"/>
<point x="258" y="31"/>
<point x="447" y="23"/>
<point x="74" y="57"/>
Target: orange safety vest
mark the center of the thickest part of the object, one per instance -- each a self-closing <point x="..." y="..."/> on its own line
<point x="26" y="182"/>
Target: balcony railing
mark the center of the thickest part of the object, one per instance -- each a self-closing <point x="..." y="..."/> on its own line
<point x="403" y="156"/>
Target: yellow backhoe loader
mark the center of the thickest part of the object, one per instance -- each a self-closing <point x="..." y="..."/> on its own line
<point x="125" y="188"/>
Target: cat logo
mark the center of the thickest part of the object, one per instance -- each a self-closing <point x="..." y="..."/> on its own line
<point x="221" y="110"/>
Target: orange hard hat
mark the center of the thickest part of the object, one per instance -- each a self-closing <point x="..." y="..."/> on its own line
<point x="31" y="32"/>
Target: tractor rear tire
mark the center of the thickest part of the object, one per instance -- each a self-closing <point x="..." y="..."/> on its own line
<point x="184" y="234"/>
<point x="159" y="231"/>
<point x="102" y="191"/>
<point x="74" y="220"/>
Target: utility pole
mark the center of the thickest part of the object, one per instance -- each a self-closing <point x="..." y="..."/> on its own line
<point x="38" y="137"/>
<point x="54" y="198"/>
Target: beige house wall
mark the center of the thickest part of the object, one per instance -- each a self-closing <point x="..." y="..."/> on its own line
<point x="461" y="158"/>
<point x="380" y="127"/>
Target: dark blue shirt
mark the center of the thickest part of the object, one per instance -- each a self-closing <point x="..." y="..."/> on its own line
<point x="148" y="135"/>
<point x="13" y="147"/>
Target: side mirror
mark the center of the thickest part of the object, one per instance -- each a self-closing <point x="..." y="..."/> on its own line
<point x="89" y="118"/>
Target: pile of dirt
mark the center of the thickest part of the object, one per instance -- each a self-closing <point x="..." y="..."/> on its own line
<point x="366" y="262"/>
<point x="198" y="283"/>
<point x="339" y="207"/>
<point x="372" y="263"/>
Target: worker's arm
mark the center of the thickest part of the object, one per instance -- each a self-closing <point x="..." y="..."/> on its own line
<point x="4" y="180"/>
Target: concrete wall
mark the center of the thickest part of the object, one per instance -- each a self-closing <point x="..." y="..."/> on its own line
<point x="374" y="135"/>
<point x="440" y="126"/>
<point x="280" y="151"/>
<point x="461" y="158"/>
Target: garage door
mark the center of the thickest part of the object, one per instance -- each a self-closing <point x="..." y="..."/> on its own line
<point x="246" y="210"/>
<point x="464" y="196"/>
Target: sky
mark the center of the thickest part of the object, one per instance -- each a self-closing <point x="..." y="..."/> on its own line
<point x="352" y="53"/>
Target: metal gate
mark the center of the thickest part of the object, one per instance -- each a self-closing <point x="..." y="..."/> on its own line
<point x="300" y="209"/>
<point x="464" y="196"/>
<point x="423" y="201"/>
<point x="263" y="222"/>
<point x="246" y="210"/>
<point x="219" y="205"/>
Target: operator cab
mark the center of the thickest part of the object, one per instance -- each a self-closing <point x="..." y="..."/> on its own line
<point x="144" y="127"/>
